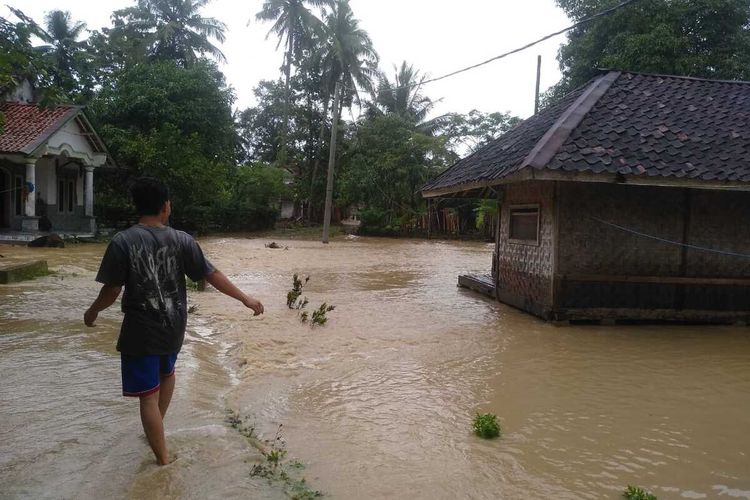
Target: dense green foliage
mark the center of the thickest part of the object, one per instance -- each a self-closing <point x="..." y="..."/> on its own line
<point x="485" y="425"/>
<point x="701" y="38"/>
<point x="165" y="110"/>
<point x="636" y="493"/>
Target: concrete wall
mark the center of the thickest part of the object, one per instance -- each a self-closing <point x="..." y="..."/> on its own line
<point x="525" y="271"/>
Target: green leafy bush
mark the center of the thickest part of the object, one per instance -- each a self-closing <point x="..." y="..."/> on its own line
<point x="319" y="315"/>
<point x="485" y="425"/>
<point x="636" y="493"/>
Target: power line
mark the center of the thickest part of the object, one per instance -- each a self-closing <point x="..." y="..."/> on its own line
<point x="519" y="49"/>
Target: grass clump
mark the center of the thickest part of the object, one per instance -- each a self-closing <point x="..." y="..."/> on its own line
<point x="235" y="421"/>
<point x="485" y="425"/>
<point x="637" y="493"/>
<point x="274" y="468"/>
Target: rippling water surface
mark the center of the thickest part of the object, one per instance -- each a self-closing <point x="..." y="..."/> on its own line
<point x="378" y="403"/>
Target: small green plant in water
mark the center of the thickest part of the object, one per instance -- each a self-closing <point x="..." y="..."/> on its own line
<point x="196" y="286"/>
<point x="319" y="315"/>
<point x="236" y="422"/>
<point x="293" y="301"/>
<point x="273" y="467"/>
<point x="293" y="295"/>
<point x="485" y="425"/>
<point x="636" y="493"/>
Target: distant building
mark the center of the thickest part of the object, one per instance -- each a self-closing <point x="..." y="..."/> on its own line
<point x="627" y="200"/>
<point x="47" y="162"/>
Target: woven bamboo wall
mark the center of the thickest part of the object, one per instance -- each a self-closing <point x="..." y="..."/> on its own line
<point x="588" y="246"/>
<point x="525" y="271"/>
<point x="713" y="219"/>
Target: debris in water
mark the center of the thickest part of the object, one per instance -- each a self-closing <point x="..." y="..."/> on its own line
<point x="49" y="241"/>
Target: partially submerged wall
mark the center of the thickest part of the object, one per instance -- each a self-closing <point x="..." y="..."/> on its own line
<point x="525" y="270"/>
<point x="609" y="268"/>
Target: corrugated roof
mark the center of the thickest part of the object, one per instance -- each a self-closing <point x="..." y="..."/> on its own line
<point x="28" y="125"/>
<point x="628" y="124"/>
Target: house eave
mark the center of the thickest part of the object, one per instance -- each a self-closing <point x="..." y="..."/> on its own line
<point x="528" y="174"/>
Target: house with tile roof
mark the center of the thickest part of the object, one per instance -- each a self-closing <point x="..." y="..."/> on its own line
<point x="626" y="200"/>
<point x="47" y="162"/>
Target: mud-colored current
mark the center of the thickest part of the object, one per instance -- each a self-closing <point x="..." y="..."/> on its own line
<point x="378" y="403"/>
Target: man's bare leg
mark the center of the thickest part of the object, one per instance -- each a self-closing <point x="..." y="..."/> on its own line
<point x="165" y="393"/>
<point x="153" y="427"/>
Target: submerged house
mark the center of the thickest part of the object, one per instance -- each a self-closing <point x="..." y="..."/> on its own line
<point x="47" y="162"/>
<point x="626" y="200"/>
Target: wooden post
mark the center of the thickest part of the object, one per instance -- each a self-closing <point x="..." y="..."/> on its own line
<point x="538" y="78"/>
<point x="331" y="162"/>
<point x="687" y="204"/>
<point x="429" y="217"/>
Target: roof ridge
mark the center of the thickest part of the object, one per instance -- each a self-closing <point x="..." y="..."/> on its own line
<point x="40" y="105"/>
<point x="546" y="148"/>
<point x="679" y="77"/>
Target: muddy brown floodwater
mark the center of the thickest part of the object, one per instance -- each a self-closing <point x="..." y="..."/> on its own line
<point x="379" y="402"/>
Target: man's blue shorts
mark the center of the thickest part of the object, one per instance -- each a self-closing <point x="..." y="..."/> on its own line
<point x="141" y="375"/>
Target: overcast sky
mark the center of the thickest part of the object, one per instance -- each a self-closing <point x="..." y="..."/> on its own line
<point x="436" y="36"/>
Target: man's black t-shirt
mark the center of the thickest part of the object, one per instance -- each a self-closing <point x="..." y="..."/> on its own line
<point x="151" y="262"/>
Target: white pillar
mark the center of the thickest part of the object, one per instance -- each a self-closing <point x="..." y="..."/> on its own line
<point x="31" y="181"/>
<point x="89" y="191"/>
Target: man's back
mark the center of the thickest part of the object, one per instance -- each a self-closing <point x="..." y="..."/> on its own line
<point x="151" y="262"/>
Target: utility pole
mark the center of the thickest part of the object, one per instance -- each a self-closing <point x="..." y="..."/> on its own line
<point x="538" y="78"/>
<point x="332" y="161"/>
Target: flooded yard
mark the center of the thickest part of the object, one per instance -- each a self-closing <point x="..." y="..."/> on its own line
<point x="378" y="403"/>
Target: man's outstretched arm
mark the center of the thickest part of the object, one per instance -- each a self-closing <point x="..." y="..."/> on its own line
<point x="218" y="280"/>
<point x="107" y="296"/>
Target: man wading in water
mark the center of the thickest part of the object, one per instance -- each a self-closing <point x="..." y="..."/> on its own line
<point x="151" y="260"/>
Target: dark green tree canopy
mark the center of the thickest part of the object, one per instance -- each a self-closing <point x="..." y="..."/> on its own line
<point x="701" y="38"/>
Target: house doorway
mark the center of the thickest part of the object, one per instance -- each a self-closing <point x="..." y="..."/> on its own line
<point x="5" y="196"/>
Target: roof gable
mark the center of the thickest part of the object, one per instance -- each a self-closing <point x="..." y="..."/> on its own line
<point x="27" y="126"/>
<point x="627" y="124"/>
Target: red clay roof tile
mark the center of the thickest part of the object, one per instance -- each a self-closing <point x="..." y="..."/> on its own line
<point x="26" y="125"/>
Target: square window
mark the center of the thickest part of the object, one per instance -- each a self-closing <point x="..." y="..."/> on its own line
<point x="524" y="224"/>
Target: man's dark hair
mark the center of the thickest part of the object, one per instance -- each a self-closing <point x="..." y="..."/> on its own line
<point x="149" y="195"/>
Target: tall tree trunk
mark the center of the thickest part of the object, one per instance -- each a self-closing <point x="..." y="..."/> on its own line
<point x="283" y="152"/>
<point x="332" y="161"/>
<point x="321" y="138"/>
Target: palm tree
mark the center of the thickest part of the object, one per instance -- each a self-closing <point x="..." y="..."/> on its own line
<point x="351" y="61"/>
<point x="349" y="55"/>
<point x="296" y="26"/>
<point x="61" y="34"/>
<point x="404" y="98"/>
<point x="174" y="29"/>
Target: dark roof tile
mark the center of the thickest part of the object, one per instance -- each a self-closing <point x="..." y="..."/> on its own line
<point x="645" y="124"/>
